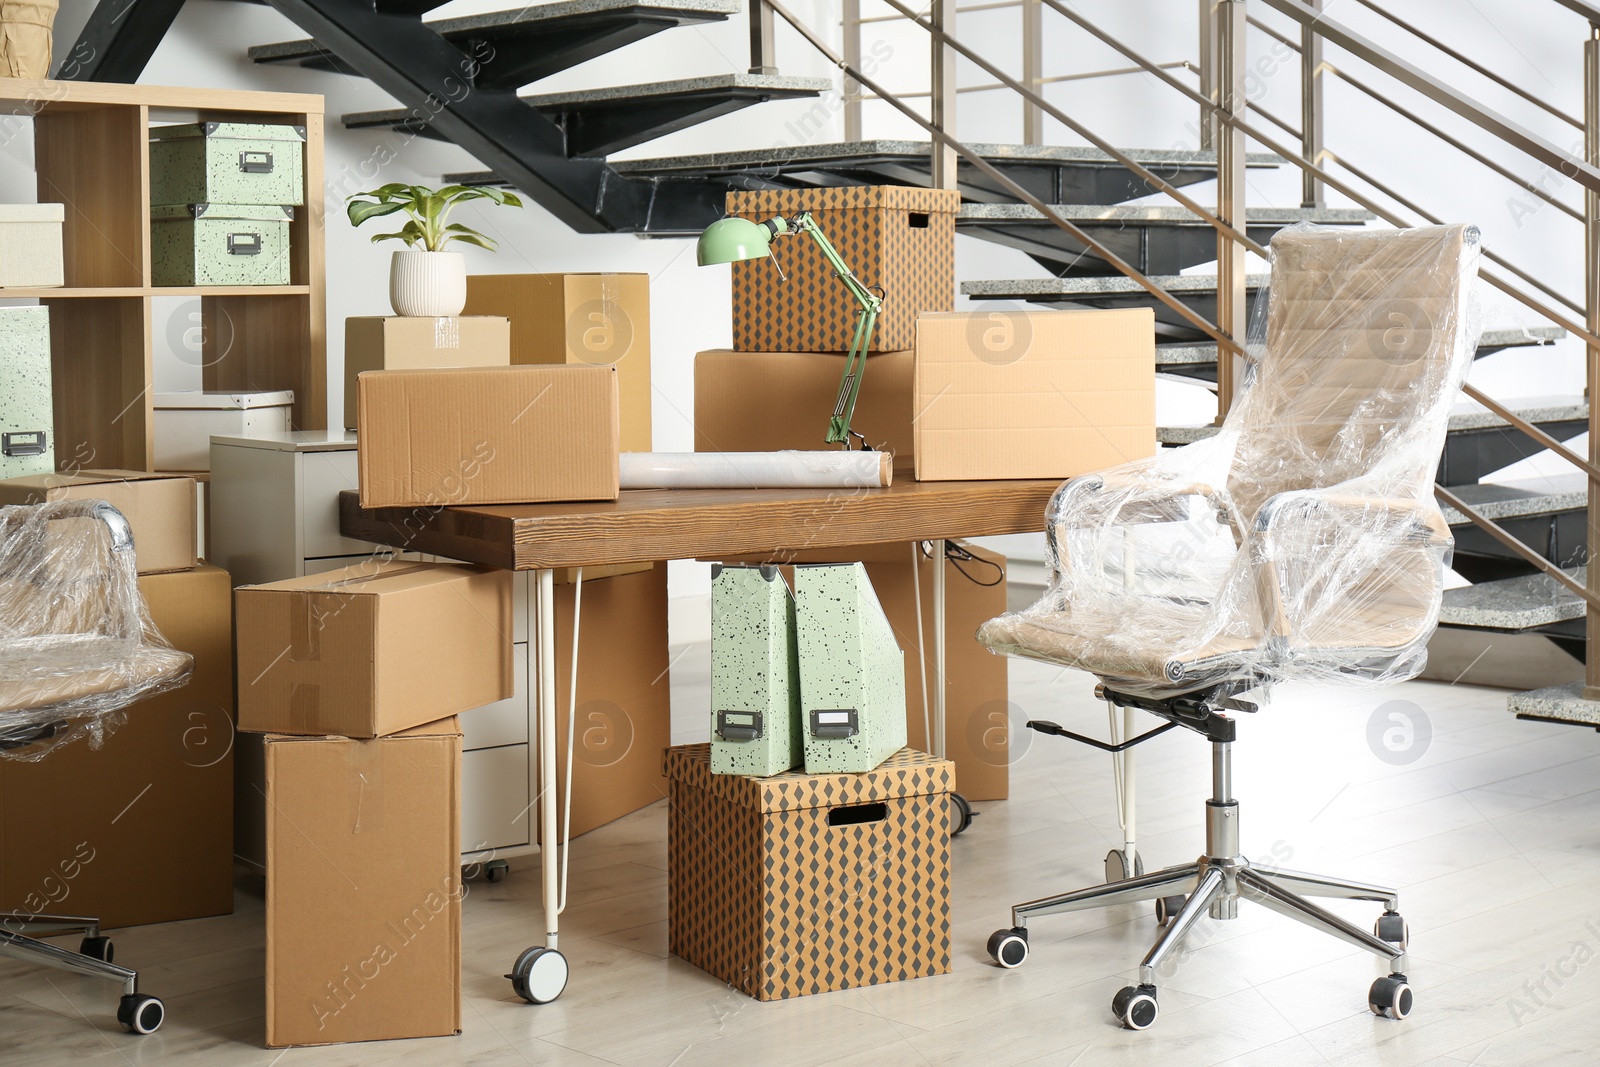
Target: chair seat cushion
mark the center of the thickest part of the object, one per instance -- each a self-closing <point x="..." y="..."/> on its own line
<point x="45" y="672"/>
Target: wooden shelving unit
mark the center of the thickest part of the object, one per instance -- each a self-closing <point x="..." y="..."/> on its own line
<point x="91" y="152"/>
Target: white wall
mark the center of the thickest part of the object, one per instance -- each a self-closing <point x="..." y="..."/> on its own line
<point x="1536" y="44"/>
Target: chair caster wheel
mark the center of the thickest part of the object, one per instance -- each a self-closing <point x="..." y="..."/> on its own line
<point x="141" y="1014"/>
<point x="496" y="870"/>
<point x="1117" y="865"/>
<point x="99" y="948"/>
<point x="961" y="814"/>
<point x="1135" y="1006"/>
<point x="1009" y="947"/>
<point x="539" y="975"/>
<point x="1390" y="997"/>
<point x="1392" y="928"/>
<point x="1167" y="908"/>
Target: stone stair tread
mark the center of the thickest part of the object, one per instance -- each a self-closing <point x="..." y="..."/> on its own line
<point x="848" y="150"/>
<point x="1513" y="500"/>
<point x="1504" y="337"/>
<point x="1097" y="285"/>
<point x="1466" y="415"/>
<point x="1160" y="213"/>
<point x="1563" y="703"/>
<point x="1520" y="603"/>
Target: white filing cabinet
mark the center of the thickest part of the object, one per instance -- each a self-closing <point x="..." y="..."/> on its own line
<point x="275" y="515"/>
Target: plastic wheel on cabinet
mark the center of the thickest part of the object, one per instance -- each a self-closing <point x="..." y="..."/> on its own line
<point x="1117" y="865"/>
<point x="99" y="948"/>
<point x="539" y="975"/>
<point x="1009" y="947"/>
<point x="1391" y="997"/>
<point x="496" y="870"/>
<point x="141" y="1014"/>
<point x="1391" y="927"/>
<point x="961" y="814"/>
<point x="1135" y="1006"/>
<point x="1167" y="908"/>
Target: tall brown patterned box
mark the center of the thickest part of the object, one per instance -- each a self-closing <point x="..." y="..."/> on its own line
<point x="897" y="237"/>
<point x="803" y="883"/>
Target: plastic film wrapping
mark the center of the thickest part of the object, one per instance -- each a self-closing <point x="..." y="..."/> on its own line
<point x="1302" y="542"/>
<point x="76" y="642"/>
<point x="756" y="470"/>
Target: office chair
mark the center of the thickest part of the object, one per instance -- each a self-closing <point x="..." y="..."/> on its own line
<point x="1301" y="543"/>
<point x="76" y="647"/>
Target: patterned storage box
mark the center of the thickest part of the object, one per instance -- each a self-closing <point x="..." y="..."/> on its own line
<point x="227" y="163"/>
<point x="220" y="244"/>
<point x="799" y="884"/>
<point x="27" y="419"/>
<point x="898" y="237"/>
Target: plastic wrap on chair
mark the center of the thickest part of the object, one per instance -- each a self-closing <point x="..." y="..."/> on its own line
<point x="76" y="642"/>
<point x="1302" y="542"/>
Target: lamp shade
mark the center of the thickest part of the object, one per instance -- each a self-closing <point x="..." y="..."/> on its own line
<point x="730" y="240"/>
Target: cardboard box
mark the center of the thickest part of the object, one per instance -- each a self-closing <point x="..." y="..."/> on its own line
<point x="372" y="649"/>
<point x="160" y="508"/>
<point x="800" y="884"/>
<point x="770" y="401"/>
<point x="185" y="423"/>
<point x="897" y="237"/>
<point x="30" y="245"/>
<point x="408" y="342"/>
<point x="980" y="723"/>
<point x="487" y="435"/>
<point x="139" y="830"/>
<point x="1033" y="394"/>
<point x="601" y="319"/>
<point x="364" y="887"/>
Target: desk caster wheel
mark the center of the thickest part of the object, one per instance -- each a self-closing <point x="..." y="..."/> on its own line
<point x="1135" y="1006"/>
<point x="961" y="814"/>
<point x="539" y="975"/>
<point x="496" y="870"/>
<point x="99" y="948"/>
<point x="1009" y="947"/>
<point x="1390" y="997"/>
<point x="1117" y="865"/>
<point x="1392" y="928"/>
<point x="140" y="1014"/>
<point x="1167" y="908"/>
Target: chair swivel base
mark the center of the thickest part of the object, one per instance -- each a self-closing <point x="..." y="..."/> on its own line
<point x="139" y="1013"/>
<point x="1214" y="884"/>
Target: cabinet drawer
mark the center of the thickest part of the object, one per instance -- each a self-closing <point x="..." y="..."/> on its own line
<point x="323" y="476"/>
<point x="505" y="722"/>
<point x="494" y="798"/>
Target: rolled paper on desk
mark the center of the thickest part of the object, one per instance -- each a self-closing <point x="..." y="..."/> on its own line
<point x="756" y="470"/>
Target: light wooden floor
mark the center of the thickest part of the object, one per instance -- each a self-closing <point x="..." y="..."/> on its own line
<point x="1493" y="833"/>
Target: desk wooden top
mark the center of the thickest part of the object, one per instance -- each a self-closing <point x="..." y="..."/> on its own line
<point x="651" y="524"/>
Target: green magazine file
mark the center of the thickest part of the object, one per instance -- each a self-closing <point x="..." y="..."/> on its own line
<point x="27" y="419"/>
<point x="852" y="672"/>
<point x="755" y="673"/>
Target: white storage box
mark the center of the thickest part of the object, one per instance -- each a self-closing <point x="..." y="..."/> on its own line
<point x="30" y="245"/>
<point x="184" y="423"/>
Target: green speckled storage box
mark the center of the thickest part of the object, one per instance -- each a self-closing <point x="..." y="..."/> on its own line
<point x="227" y="163"/>
<point x="755" y="673"/>
<point x="220" y="244"/>
<point x="27" y="421"/>
<point x="852" y="672"/>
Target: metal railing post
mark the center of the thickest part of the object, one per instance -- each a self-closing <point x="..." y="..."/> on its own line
<point x="942" y="111"/>
<point x="1207" y="63"/>
<point x="1032" y="70"/>
<point x="1232" y="316"/>
<point x="1591" y="301"/>
<point x="1311" y="192"/>
<point x="851" y="25"/>
<point x="762" y="61"/>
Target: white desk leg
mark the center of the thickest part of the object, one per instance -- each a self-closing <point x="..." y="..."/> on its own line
<point x="540" y="973"/>
<point x="936" y="739"/>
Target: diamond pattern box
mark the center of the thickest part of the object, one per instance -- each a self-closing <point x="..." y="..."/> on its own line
<point x="800" y="884"/>
<point x="899" y="238"/>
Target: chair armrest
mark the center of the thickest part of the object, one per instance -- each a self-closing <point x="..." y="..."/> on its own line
<point x="1422" y="519"/>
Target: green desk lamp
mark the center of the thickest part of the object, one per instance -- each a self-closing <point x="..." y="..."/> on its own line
<point x="732" y="239"/>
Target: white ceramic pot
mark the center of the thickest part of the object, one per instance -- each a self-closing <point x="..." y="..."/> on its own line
<point x="431" y="284"/>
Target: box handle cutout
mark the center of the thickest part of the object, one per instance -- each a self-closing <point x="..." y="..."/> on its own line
<point x="738" y="725"/>
<point x="857" y="814"/>
<point x="917" y="220"/>
<point x="259" y="163"/>
<point x="834" y="724"/>
<point x="244" y="244"/>
<point x="25" y="443"/>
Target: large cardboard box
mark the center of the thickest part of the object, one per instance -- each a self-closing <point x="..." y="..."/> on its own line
<point x="487" y="435"/>
<point x="374" y="648"/>
<point x="139" y="830"/>
<point x="410" y="342"/>
<point x="899" y="238"/>
<point x="364" y="887"/>
<point x="800" y="884"/>
<point x="160" y="508"/>
<point x="602" y="319"/>
<point x="770" y="401"/>
<point x="1033" y="394"/>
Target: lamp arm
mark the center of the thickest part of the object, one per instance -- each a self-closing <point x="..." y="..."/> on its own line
<point x="855" y="364"/>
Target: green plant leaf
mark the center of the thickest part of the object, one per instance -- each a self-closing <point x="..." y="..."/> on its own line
<point x="410" y="233"/>
<point x="477" y="239"/>
<point x="362" y="210"/>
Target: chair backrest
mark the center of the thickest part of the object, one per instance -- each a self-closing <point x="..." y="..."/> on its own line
<point x="1369" y="337"/>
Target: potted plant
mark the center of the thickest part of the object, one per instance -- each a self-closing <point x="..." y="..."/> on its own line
<point x="424" y="279"/>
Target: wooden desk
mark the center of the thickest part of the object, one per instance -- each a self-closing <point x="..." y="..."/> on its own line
<point x="660" y="524"/>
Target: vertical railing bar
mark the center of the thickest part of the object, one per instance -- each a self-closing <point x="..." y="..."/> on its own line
<point x="1032" y="70"/>
<point x="1206" y="42"/>
<point x="851" y="25"/>
<point x="942" y="110"/>
<point x="1311" y="192"/>
<point x="1232" y="317"/>
<point x="762" y="61"/>
<point x="1591" y="301"/>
